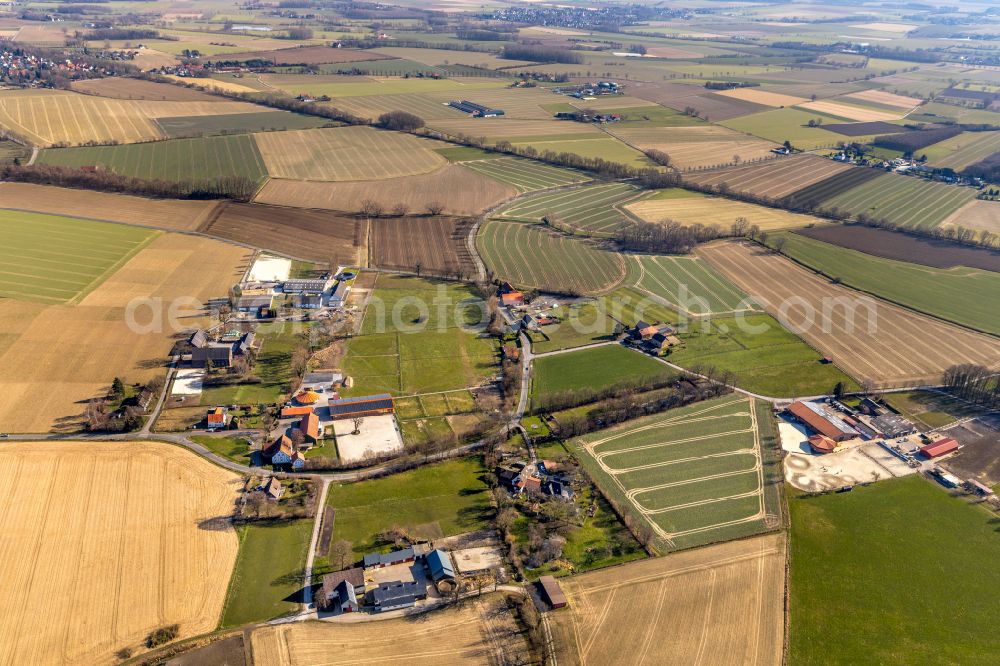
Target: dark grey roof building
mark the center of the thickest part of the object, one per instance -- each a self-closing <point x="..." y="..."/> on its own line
<point x="388" y="559"/>
<point x="397" y="594"/>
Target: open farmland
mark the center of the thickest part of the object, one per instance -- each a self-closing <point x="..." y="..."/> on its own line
<point x="45" y="117"/>
<point x="590" y="210"/>
<point x="680" y="96"/>
<point x="774" y="179"/>
<point x="848" y="607"/>
<point x="690" y="210"/>
<point x="696" y="146"/>
<point x="482" y="631"/>
<point x="526" y="175"/>
<point x="172" y="214"/>
<point x="758" y="96"/>
<point x="696" y="474"/>
<point x="832" y="186"/>
<point x="117" y="532"/>
<point x="903" y="200"/>
<point x="977" y="214"/>
<point x="308" y="55"/>
<point x="588" y="371"/>
<point x="851" y="111"/>
<point x="54" y="358"/>
<point x="787" y="124"/>
<point x="688" y="284"/>
<point x="960" y="294"/>
<point x="434" y="245"/>
<point x="54" y="259"/>
<point x="877" y="128"/>
<point x="886" y="98"/>
<point x="722" y="604"/>
<point x="238" y="123"/>
<point x="532" y="255"/>
<point x="461" y="191"/>
<point x="176" y="160"/>
<point x="604" y="147"/>
<point x="315" y="235"/>
<point x="512" y="129"/>
<point x="127" y="88"/>
<point x="346" y="153"/>
<point x="867" y="338"/>
<point x="963" y="150"/>
<point x="427" y="107"/>
<point x="355" y="86"/>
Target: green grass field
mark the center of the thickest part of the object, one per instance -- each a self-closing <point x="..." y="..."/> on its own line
<point x="535" y="256"/>
<point x="697" y="474"/>
<point x="415" y="339"/>
<point x="239" y="122"/>
<point x="278" y="342"/>
<point x="10" y="151"/>
<point x="899" y="572"/>
<point x="526" y="175"/>
<point x="233" y="448"/>
<point x="588" y="210"/>
<point x="960" y="151"/>
<point x="54" y="259"/>
<point x="962" y="295"/>
<point x="604" y="147"/>
<point x="788" y="124"/>
<point x="903" y="200"/>
<point x="431" y="501"/>
<point x="176" y="160"/>
<point x="592" y="370"/>
<point x="267" y="580"/>
<point x="687" y="283"/>
<point x="772" y="362"/>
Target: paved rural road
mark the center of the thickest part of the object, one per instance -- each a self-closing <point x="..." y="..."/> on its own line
<point x="155" y="414"/>
<point x="317" y="522"/>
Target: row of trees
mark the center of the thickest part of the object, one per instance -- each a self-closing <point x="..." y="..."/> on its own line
<point x="238" y="188"/>
<point x="975" y="383"/>
<point x="666" y="236"/>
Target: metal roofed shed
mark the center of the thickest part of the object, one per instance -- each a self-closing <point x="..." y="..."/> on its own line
<point x="397" y="594"/>
<point x="552" y="592"/>
<point x="942" y="447"/>
<point x="823" y="420"/>
<point x="440" y="566"/>
<point x="369" y="405"/>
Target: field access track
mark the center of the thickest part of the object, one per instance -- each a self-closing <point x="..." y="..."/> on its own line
<point x="867" y="338"/>
<point x="688" y="471"/>
<point x="591" y="210"/>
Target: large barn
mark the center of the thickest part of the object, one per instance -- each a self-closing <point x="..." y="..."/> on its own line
<point x="823" y="420"/>
<point x="369" y="405"/>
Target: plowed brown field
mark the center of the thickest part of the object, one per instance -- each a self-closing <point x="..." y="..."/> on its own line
<point x="461" y="191"/>
<point x="867" y="338"/>
<point x="315" y="235"/>
<point x="717" y="605"/>
<point x="105" y="542"/>
<point x="55" y="358"/>
<point x="172" y="214"/>
<point x="434" y="244"/>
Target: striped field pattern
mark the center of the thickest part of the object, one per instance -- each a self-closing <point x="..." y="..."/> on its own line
<point x="526" y="175"/>
<point x="531" y="255"/>
<point x="55" y="259"/>
<point x="687" y="283"/>
<point x="592" y="209"/>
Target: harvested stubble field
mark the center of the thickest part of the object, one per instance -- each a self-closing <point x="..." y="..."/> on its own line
<point x="604" y="147"/>
<point x="697" y="474"/>
<point x="461" y="191"/>
<point x="510" y="128"/>
<point x="172" y="214"/>
<point x="787" y="124"/>
<point x="776" y="178"/>
<point x="886" y="98"/>
<point x="425" y="106"/>
<point x="127" y="88"/>
<point x="481" y="631"/>
<point x="45" y="117"/>
<point x="346" y="153"/>
<point x="721" y="604"/>
<point x="531" y="255"/>
<point x="696" y="146"/>
<point x="869" y="339"/>
<point x="314" y="235"/>
<point x="904" y="200"/>
<point x="687" y="284"/>
<point x="591" y="209"/>
<point x="54" y="358"/>
<point x="526" y="175"/>
<point x="758" y="96"/>
<point x="977" y="214"/>
<point x="718" y="211"/>
<point x="54" y="259"/>
<point x="679" y="96"/>
<point x="129" y="536"/>
<point x="850" y="111"/>
<point x="435" y="245"/>
<point x="176" y="160"/>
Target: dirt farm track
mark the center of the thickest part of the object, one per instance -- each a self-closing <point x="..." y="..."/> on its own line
<point x="881" y="342"/>
<point x="104" y="542"/>
<point x="709" y="606"/>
